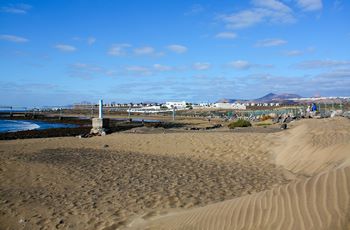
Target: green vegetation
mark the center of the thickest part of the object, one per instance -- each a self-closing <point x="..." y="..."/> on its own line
<point x="263" y="124"/>
<point x="239" y="123"/>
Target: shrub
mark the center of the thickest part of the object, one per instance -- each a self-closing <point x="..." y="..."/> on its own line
<point x="239" y="123"/>
<point x="265" y="117"/>
<point x="263" y="124"/>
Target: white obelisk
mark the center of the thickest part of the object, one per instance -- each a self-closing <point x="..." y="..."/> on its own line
<point x="100" y="124"/>
<point x="100" y="109"/>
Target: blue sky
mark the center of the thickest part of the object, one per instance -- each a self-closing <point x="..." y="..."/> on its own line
<point x="62" y="52"/>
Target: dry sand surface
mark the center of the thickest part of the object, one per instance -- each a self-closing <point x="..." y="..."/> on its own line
<point x="185" y="180"/>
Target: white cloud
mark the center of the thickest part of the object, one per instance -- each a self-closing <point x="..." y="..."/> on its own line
<point x="268" y="11"/>
<point x="147" y="50"/>
<point x="65" y="48"/>
<point x="310" y="5"/>
<point x="297" y="52"/>
<point x="118" y="49"/>
<point x="240" y="65"/>
<point x="138" y="70"/>
<point x="226" y="35"/>
<point x="87" y="67"/>
<point x="337" y="5"/>
<point x="201" y="65"/>
<point x="195" y="9"/>
<point x="177" y="48"/>
<point x="272" y="4"/>
<point x="244" y="65"/>
<point x="13" y="38"/>
<point x="16" y="8"/>
<point x="315" y="64"/>
<point x="270" y="42"/>
<point x="91" y="40"/>
<point x="159" y="67"/>
<point x="242" y="19"/>
<point x="292" y="53"/>
<point x="88" y="71"/>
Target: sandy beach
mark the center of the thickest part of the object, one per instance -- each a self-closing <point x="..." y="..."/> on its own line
<point x="153" y="179"/>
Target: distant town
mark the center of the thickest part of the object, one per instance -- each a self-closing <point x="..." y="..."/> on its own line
<point x="268" y="101"/>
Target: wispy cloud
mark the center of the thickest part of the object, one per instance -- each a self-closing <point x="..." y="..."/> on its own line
<point x="118" y="49"/>
<point x="195" y="9"/>
<point x="316" y="64"/>
<point x="149" y="70"/>
<point x="88" y="71"/>
<point x="13" y="38"/>
<point x="226" y="35"/>
<point x="310" y="5"/>
<point x="270" y="42"/>
<point x="141" y="70"/>
<point x="147" y="50"/>
<point x="272" y="4"/>
<point x="245" y="65"/>
<point x="240" y="65"/>
<point x="16" y="8"/>
<point x="337" y="5"/>
<point x="159" y="67"/>
<point x="292" y="53"/>
<point x="201" y="65"/>
<point x="177" y="48"/>
<point x="298" y="52"/>
<point x="263" y="11"/>
<point x="65" y="48"/>
<point x="91" y="40"/>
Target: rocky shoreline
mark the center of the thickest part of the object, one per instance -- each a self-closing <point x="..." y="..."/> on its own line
<point x="83" y="129"/>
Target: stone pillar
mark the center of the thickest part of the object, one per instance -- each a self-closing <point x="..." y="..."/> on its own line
<point x="100" y="109"/>
<point x="100" y="124"/>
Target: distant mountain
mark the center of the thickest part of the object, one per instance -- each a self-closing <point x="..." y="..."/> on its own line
<point x="277" y="97"/>
<point x="271" y="97"/>
<point x="267" y="97"/>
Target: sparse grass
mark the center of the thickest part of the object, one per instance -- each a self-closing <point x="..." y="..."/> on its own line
<point x="239" y="123"/>
<point x="263" y="124"/>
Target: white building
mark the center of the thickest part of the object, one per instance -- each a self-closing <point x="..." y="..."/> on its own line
<point x="229" y="106"/>
<point x="204" y="104"/>
<point x="239" y="106"/>
<point x="176" y="104"/>
<point x="223" y="105"/>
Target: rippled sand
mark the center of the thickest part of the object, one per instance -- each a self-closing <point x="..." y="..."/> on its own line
<point x="298" y="179"/>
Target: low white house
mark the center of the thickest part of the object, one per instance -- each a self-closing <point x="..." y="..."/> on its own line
<point x="229" y="106"/>
<point x="223" y="105"/>
<point x="177" y="104"/>
<point x="239" y="106"/>
<point x="153" y="107"/>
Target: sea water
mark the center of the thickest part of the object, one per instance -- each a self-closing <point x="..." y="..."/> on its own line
<point x="21" y="125"/>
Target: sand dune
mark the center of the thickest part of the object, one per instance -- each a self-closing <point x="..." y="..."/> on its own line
<point x="72" y="183"/>
<point x="295" y="179"/>
<point x="321" y="202"/>
<point x="314" y="146"/>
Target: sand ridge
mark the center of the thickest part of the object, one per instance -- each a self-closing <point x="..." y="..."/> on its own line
<point x="320" y="202"/>
<point x="314" y="146"/>
<point x="315" y="150"/>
